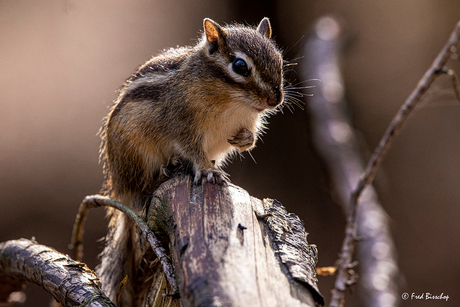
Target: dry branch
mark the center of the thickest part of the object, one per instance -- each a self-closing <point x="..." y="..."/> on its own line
<point x="230" y="249"/>
<point x="335" y="141"/>
<point x="436" y="69"/>
<point x="71" y="283"/>
<point x="344" y="275"/>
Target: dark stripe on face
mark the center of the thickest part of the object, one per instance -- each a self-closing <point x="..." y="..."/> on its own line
<point x="267" y="59"/>
<point x="219" y="73"/>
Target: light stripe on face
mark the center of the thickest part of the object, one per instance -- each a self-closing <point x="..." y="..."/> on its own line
<point x="249" y="62"/>
<point x="254" y="72"/>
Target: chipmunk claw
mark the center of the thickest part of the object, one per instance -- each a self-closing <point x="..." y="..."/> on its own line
<point x="211" y="175"/>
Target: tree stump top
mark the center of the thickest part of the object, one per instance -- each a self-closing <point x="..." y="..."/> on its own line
<point x="231" y="249"/>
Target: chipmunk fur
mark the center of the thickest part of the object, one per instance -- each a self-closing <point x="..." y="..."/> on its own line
<point x="195" y="105"/>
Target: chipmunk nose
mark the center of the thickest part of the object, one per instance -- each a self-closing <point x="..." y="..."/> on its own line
<point x="276" y="98"/>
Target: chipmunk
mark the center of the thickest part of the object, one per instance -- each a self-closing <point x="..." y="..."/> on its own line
<point x="199" y="104"/>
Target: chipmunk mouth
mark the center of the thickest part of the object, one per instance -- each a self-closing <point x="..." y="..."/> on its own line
<point x="267" y="102"/>
<point x="262" y="105"/>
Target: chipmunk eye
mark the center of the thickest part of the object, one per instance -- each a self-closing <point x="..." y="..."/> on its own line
<point x="240" y="67"/>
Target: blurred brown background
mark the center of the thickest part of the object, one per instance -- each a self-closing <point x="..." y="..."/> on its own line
<point x="61" y="63"/>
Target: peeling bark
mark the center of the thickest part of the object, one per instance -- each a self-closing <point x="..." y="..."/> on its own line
<point x="70" y="282"/>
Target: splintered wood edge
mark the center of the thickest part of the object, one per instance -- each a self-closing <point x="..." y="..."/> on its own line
<point x="290" y="243"/>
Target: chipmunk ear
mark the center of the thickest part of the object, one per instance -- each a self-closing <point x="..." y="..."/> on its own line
<point x="265" y="28"/>
<point x="212" y="30"/>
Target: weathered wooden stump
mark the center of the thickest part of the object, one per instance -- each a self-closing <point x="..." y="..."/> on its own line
<point x="231" y="249"/>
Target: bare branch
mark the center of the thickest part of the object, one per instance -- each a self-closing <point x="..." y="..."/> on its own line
<point x="335" y="141"/>
<point x="99" y="201"/>
<point x="70" y="282"/>
<point x="411" y="102"/>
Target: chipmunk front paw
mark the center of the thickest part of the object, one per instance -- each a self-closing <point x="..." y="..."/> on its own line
<point x="211" y="175"/>
<point x="243" y="140"/>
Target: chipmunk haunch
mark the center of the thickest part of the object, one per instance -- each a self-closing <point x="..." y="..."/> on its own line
<point x="194" y="105"/>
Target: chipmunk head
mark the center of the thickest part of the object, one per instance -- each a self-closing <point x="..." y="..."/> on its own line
<point x="248" y="60"/>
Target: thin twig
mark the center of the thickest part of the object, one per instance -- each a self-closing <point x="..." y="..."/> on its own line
<point x="94" y="201"/>
<point x="455" y="82"/>
<point x="411" y="102"/>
